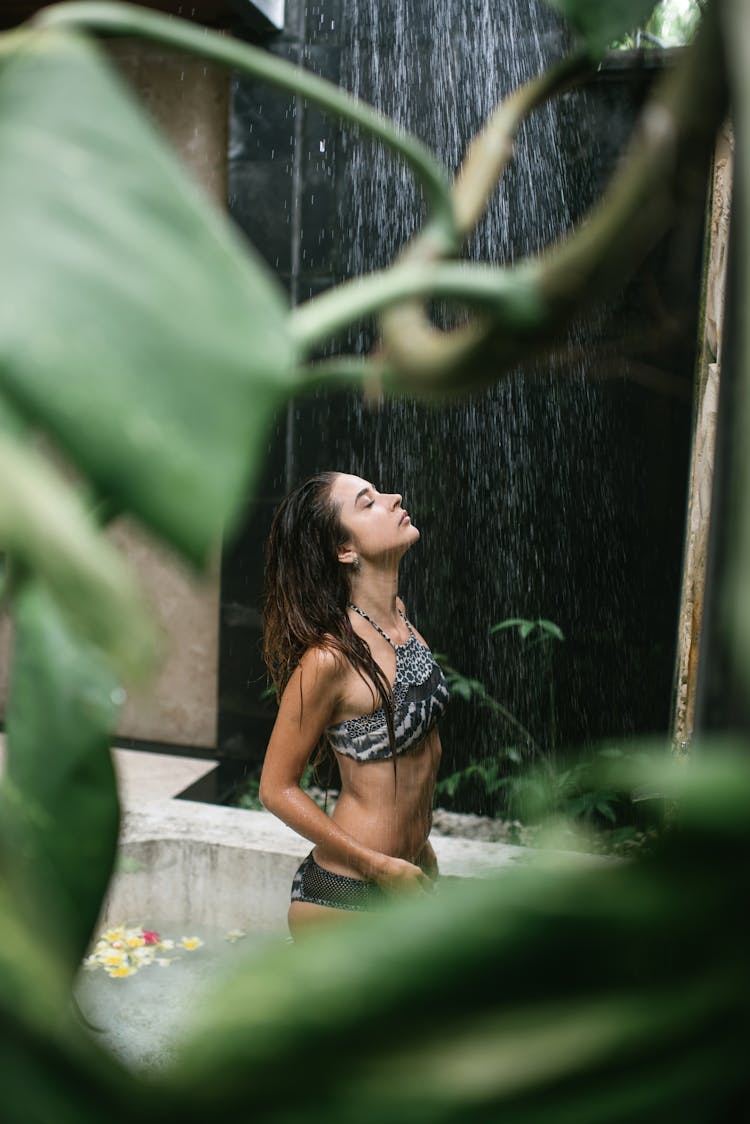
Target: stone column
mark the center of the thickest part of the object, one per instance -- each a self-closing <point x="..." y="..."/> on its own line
<point x="188" y="100"/>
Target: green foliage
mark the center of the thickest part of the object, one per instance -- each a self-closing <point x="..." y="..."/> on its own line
<point x="139" y="333"/>
<point x="486" y="775"/>
<point x="540" y="632"/>
<point x="673" y="23"/>
<point x="545" y="995"/>
<point x="248" y="794"/>
<point x="525" y="781"/>
<point x="59" y="806"/>
<point x="600" y="24"/>
<point x="48" y="532"/>
<point x="543" y="630"/>
<point x="581" y="790"/>
<point x="151" y="347"/>
<point x="524" y="793"/>
<point x="474" y="692"/>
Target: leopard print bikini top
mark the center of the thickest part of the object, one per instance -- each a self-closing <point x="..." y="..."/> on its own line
<point x="420" y="696"/>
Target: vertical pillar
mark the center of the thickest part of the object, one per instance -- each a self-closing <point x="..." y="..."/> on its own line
<point x="188" y="101"/>
<point x="704" y="447"/>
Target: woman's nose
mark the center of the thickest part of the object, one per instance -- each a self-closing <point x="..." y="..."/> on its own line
<point x="396" y="500"/>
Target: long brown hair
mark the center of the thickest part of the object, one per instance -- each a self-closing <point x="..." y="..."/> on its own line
<point x="307" y="591"/>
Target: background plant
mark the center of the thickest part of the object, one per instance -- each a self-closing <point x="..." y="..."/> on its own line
<point x="525" y="781"/>
<point x="150" y="349"/>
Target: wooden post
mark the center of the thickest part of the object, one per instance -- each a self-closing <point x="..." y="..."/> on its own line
<point x="708" y="377"/>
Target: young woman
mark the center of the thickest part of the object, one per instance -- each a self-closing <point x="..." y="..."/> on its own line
<point x="354" y="675"/>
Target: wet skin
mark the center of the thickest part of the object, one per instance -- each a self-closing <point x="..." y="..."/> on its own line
<point x="385" y="812"/>
<point x="379" y="829"/>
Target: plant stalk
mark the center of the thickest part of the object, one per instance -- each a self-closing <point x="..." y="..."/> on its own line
<point x="131" y="20"/>
<point x="511" y="296"/>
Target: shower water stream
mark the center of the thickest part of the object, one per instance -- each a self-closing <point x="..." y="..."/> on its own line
<point x="557" y="494"/>
<point x="488" y="481"/>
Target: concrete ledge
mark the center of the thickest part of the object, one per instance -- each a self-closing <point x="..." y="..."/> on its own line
<point x="181" y="861"/>
<point x="143" y="776"/>
<point x="185" y="862"/>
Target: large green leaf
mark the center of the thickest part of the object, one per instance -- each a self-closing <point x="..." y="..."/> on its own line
<point x="132" y="324"/>
<point x="49" y="1068"/>
<point x="570" y="993"/>
<point x="45" y="528"/>
<point x="60" y="798"/>
<point x="600" y="22"/>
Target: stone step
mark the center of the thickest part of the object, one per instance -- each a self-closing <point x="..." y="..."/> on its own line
<point x="143" y="776"/>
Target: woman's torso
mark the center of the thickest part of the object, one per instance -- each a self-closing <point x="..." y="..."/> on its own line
<point x="390" y="814"/>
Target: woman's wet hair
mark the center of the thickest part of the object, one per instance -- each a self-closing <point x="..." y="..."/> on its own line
<point x="307" y="591"/>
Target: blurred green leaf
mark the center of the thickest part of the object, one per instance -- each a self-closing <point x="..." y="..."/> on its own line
<point x="50" y="1070"/>
<point x="566" y="992"/>
<point x="32" y="982"/>
<point x="600" y="22"/>
<point x="60" y="795"/>
<point x="604" y="807"/>
<point x="133" y="326"/>
<point x="44" y="526"/>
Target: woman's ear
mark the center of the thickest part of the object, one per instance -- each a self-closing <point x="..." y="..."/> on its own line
<point x="347" y="553"/>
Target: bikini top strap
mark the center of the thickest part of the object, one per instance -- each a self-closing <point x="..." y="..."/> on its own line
<point x="377" y="627"/>
<point x="405" y="619"/>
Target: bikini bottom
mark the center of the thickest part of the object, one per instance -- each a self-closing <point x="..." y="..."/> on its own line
<point x="313" y="883"/>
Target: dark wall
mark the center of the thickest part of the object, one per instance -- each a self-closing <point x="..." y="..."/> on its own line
<point x="560" y="493"/>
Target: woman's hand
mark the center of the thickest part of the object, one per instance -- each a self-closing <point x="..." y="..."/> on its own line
<point x="397" y="876"/>
<point x="427" y="861"/>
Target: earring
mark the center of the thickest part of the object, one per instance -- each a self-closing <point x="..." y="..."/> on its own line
<point x="355" y="564"/>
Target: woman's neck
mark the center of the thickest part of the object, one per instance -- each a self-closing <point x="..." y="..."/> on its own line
<point x="376" y="592"/>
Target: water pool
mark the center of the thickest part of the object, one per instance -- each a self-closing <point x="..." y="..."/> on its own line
<point x="139" y="1016"/>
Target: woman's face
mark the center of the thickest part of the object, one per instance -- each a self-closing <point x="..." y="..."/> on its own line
<point x="375" y="522"/>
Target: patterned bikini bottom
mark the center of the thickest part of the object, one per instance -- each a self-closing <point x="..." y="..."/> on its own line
<point x="313" y="883"/>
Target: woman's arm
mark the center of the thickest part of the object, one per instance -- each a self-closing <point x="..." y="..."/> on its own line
<point x="305" y="710"/>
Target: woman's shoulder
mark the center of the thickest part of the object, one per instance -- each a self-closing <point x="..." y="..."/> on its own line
<point x="323" y="661"/>
<point x="317" y="680"/>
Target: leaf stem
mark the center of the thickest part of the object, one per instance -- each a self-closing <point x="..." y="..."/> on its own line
<point x="510" y="295"/>
<point x="130" y="20"/>
<point x="410" y="339"/>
